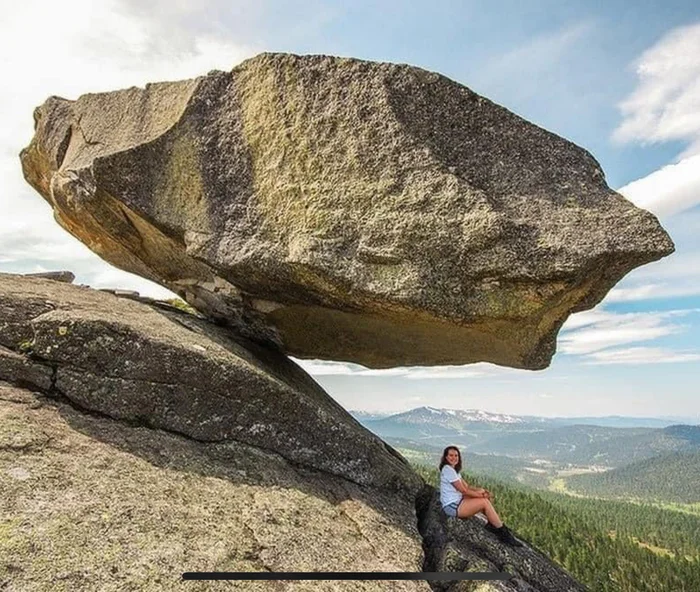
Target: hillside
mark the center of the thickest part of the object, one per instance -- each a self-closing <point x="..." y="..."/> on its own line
<point x="673" y="477"/>
<point x="594" y="444"/>
<point x="464" y="418"/>
<point x="504" y="468"/>
<point x="430" y="429"/>
<point x="608" y="546"/>
<point x="108" y="492"/>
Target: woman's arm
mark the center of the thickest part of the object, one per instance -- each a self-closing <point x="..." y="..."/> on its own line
<point x="473" y="491"/>
<point x="467" y="491"/>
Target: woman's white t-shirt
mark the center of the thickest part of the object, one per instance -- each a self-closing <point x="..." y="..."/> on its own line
<point x="448" y="492"/>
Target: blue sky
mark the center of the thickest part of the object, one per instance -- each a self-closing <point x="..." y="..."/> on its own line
<point x="621" y="79"/>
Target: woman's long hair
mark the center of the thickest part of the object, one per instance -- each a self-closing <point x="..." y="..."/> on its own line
<point x="443" y="460"/>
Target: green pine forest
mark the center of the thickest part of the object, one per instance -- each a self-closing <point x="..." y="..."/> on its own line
<point x="672" y="477"/>
<point x="609" y="546"/>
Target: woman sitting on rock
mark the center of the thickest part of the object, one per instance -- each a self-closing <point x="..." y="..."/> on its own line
<point x="461" y="501"/>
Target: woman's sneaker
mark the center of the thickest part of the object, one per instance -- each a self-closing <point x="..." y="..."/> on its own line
<point x="504" y="535"/>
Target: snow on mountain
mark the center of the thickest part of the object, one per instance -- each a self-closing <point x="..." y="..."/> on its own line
<point x="485" y="416"/>
<point x="367" y="415"/>
<point x="433" y="415"/>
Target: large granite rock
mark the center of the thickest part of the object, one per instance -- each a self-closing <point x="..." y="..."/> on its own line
<point x="138" y="442"/>
<point x="344" y="210"/>
<point x="89" y="503"/>
<point x="170" y="370"/>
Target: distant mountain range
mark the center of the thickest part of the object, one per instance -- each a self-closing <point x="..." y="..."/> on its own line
<point x="432" y="414"/>
<point x="439" y="427"/>
<point x="367" y="415"/>
<point x="594" y="445"/>
<point x="562" y="440"/>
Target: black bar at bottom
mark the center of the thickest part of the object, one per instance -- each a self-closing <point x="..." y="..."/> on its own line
<point x="343" y="575"/>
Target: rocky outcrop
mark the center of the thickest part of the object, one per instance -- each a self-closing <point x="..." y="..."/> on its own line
<point x="170" y="370"/>
<point x="139" y="442"/>
<point x="454" y="545"/>
<point x="58" y="276"/>
<point x="344" y="210"/>
<point x="315" y="206"/>
<point x="90" y="503"/>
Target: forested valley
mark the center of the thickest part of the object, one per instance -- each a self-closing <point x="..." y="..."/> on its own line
<point x="610" y="546"/>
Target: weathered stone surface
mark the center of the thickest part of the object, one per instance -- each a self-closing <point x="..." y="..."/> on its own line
<point x="89" y="503"/>
<point x="170" y="370"/>
<point x="161" y="444"/>
<point x="20" y="370"/>
<point x="58" y="276"/>
<point x="345" y="210"/>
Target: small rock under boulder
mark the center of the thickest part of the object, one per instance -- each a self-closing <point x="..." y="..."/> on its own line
<point x="58" y="276"/>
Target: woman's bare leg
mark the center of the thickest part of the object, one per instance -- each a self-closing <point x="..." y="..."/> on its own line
<point x="472" y="506"/>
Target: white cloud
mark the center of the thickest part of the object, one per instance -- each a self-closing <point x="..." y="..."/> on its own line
<point x="669" y="190"/>
<point x="587" y="341"/>
<point x="541" y="51"/>
<point x="450" y="372"/>
<point x="666" y="103"/>
<point x="665" y="106"/>
<point x="611" y="329"/>
<point x="68" y="49"/>
<point x="656" y="291"/>
<point x="642" y="355"/>
<point x="326" y="368"/>
<point x="323" y="368"/>
<point x="582" y="319"/>
<point x="53" y="246"/>
<point x="527" y="68"/>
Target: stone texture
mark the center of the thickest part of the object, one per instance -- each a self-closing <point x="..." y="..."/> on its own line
<point x="167" y="369"/>
<point x="344" y="210"/>
<point x="58" y="276"/>
<point x="20" y="370"/>
<point x="89" y="503"/>
<point x="139" y="442"/>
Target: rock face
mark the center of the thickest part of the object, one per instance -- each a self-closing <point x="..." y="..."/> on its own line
<point x="139" y="442"/>
<point x="454" y="545"/>
<point x="344" y="210"/>
<point x="90" y="503"/>
<point x="170" y="370"/>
